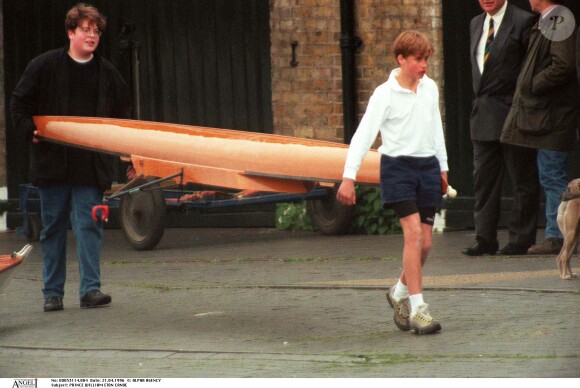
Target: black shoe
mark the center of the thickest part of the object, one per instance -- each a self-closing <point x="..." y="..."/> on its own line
<point x="481" y="248"/>
<point x="512" y="249"/>
<point x="53" y="303"/>
<point x="95" y="298"/>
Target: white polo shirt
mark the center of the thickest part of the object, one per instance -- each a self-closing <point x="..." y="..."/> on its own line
<point x="409" y="124"/>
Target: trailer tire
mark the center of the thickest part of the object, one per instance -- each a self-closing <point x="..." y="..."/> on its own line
<point x="142" y="216"/>
<point x="328" y="215"/>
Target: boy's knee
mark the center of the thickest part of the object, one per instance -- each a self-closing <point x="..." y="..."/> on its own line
<point x="415" y="236"/>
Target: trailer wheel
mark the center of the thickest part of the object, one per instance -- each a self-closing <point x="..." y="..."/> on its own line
<point x="142" y="216"/>
<point x="328" y="215"/>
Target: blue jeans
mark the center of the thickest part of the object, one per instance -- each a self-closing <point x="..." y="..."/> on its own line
<point x="56" y="204"/>
<point x="554" y="180"/>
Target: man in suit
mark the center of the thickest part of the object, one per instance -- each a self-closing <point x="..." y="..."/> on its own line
<point x="499" y="40"/>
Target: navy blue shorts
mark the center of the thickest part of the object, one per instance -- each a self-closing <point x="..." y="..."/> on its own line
<point x="407" y="178"/>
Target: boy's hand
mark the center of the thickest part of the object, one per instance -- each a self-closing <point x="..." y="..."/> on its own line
<point x="346" y="193"/>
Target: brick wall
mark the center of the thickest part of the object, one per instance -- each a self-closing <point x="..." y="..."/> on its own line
<point x="307" y="99"/>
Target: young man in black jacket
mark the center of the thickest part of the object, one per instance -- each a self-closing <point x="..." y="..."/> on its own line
<point x="71" y="81"/>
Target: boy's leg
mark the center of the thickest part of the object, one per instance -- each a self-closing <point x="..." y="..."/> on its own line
<point x="417" y="229"/>
<point x="413" y="258"/>
<point x="412" y="253"/>
<point x="426" y="240"/>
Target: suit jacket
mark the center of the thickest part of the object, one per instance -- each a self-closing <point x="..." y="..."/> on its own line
<point x="545" y="105"/>
<point x="494" y="88"/>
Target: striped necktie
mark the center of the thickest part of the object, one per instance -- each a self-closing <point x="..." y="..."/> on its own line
<point x="489" y="41"/>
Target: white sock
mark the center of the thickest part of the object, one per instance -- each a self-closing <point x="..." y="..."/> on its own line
<point x="401" y="291"/>
<point x="416" y="301"/>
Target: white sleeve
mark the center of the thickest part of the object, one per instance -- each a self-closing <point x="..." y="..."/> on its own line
<point x="365" y="134"/>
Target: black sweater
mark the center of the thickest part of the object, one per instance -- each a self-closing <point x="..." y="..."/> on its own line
<point x="45" y="90"/>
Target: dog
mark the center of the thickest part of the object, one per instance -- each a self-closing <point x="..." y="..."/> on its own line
<point x="569" y="224"/>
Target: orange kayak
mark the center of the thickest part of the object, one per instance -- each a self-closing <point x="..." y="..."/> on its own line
<point x="8" y="264"/>
<point x="211" y="156"/>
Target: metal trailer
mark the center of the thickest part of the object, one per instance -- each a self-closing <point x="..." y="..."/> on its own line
<point x="144" y="203"/>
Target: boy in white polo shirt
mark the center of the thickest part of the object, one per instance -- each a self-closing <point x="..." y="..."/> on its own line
<point x="405" y="110"/>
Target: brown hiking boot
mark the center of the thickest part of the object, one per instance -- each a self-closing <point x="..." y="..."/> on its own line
<point x="402" y="310"/>
<point x="550" y="246"/>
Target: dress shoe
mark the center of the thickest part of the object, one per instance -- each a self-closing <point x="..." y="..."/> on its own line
<point x="513" y="249"/>
<point x="53" y="303"/>
<point x="95" y="298"/>
<point x="551" y="246"/>
<point x="481" y="248"/>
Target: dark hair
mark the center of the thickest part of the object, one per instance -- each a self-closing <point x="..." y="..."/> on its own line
<point x="412" y="43"/>
<point x="561" y="2"/>
<point x="83" y="11"/>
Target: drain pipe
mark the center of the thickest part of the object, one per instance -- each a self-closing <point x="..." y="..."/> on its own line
<point x="348" y="45"/>
<point x="135" y="65"/>
<point x="126" y="43"/>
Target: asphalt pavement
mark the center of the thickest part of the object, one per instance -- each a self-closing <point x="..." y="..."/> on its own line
<point x="268" y="303"/>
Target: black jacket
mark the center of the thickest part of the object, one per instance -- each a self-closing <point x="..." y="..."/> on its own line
<point x="43" y="91"/>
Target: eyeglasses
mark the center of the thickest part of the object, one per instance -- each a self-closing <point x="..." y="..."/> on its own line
<point x="89" y="32"/>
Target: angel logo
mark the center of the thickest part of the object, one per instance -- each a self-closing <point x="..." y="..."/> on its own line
<point x="25" y="383"/>
<point x="558" y="24"/>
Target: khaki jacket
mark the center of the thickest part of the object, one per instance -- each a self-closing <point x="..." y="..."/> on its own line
<point x="545" y="105"/>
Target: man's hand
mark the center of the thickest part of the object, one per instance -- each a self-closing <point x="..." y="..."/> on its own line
<point x="346" y="193"/>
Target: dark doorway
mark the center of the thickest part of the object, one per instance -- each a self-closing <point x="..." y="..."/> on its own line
<point x="203" y="62"/>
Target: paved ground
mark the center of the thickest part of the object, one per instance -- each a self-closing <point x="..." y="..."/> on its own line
<point x="267" y="303"/>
